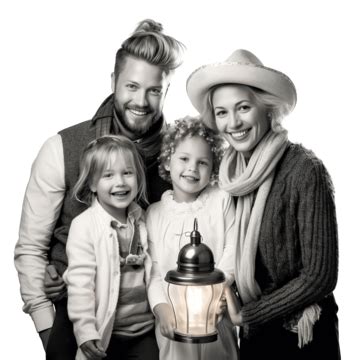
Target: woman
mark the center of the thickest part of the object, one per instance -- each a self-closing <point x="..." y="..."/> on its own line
<point x="287" y="253"/>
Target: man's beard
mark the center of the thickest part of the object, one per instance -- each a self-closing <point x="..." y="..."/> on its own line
<point x="135" y="129"/>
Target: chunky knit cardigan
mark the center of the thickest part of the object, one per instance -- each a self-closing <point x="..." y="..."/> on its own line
<point x="297" y="256"/>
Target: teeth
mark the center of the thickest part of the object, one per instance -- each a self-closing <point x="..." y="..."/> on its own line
<point x="240" y="134"/>
<point x="119" y="193"/>
<point x="191" y="178"/>
<point x="137" y="112"/>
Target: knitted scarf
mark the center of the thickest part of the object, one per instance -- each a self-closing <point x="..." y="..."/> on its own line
<point x="251" y="183"/>
<point x="107" y="121"/>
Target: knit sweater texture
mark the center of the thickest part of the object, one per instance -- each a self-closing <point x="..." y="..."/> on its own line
<point x="297" y="256"/>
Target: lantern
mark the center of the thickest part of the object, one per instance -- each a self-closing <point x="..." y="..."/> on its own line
<point x="195" y="289"/>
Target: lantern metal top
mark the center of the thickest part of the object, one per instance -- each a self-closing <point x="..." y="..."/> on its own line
<point x="196" y="264"/>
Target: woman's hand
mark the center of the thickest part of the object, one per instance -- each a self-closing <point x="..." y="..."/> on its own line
<point x="233" y="306"/>
<point x="165" y="316"/>
<point x="93" y="350"/>
<point x="221" y="308"/>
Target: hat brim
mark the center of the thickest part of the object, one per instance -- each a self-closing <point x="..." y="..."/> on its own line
<point x="267" y="79"/>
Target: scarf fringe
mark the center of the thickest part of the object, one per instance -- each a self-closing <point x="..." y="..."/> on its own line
<point x="305" y="325"/>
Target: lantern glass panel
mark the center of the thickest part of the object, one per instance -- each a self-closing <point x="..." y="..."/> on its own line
<point x="195" y="307"/>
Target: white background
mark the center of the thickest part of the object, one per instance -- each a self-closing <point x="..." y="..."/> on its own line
<point x="56" y="59"/>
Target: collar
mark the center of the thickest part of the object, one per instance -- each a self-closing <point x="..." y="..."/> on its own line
<point x="175" y="207"/>
<point x="134" y="213"/>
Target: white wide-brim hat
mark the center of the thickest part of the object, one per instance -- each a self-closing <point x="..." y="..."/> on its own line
<point x="242" y="67"/>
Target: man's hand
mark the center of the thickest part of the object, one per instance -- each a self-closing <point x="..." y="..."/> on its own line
<point x="53" y="282"/>
<point x="44" y="336"/>
<point x="93" y="350"/>
<point x="165" y="315"/>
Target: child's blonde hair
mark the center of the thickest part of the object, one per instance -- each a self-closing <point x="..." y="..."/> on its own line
<point x="95" y="158"/>
<point x="189" y="127"/>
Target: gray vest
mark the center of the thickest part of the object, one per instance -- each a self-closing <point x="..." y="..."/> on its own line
<point x="74" y="139"/>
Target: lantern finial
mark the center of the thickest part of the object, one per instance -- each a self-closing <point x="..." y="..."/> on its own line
<point x="195" y="236"/>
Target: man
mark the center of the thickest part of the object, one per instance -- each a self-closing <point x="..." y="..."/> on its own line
<point x="143" y="67"/>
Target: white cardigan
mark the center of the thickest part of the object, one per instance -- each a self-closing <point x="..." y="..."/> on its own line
<point x="93" y="274"/>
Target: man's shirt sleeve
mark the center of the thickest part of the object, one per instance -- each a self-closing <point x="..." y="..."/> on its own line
<point x="41" y="207"/>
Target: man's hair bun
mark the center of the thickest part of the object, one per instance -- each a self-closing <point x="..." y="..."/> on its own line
<point x="149" y="25"/>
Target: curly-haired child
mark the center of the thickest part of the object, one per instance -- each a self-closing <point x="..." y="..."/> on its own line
<point x="189" y="159"/>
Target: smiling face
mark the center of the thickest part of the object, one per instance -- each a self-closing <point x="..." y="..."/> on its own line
<point x="139" y="94"/>
<point x="190" y="167"/>
<point x="239" y="118"/>
<point x="117" y="185"/>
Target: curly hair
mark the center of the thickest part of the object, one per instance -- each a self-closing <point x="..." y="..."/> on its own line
<point x="189" y="127"/>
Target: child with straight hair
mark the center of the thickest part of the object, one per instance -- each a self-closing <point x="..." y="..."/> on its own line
<point x="189" y="159"/>
<point x="111" y="285"/>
